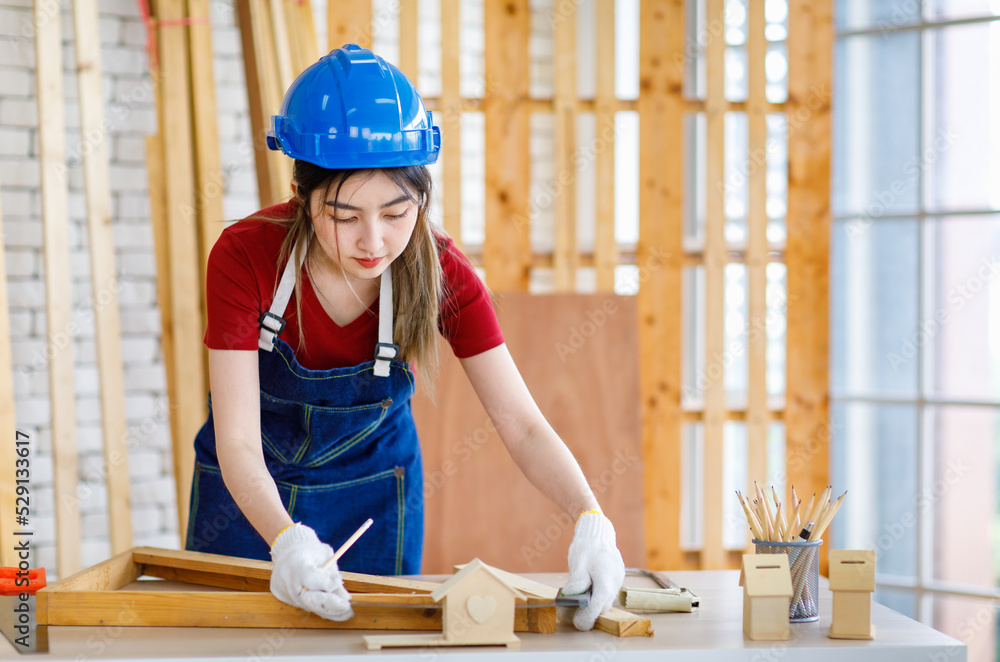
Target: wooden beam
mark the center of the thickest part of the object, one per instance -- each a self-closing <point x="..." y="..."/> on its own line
<point x="758" y="417"/>
<point x="58" y="298"/>
<point x="605" y="245"/>
<point x="507" y="251"/>
<point x="8" y="421"/>
<point x="660" y="253"/>
<point x="108" y="575"/>
<point x="409" y="42"/>
<point x="349" y="22"/>
<point x="182" y="246"/>
<point x="301" y="23"/>
<point x="450" y="114"/>
<point x="104" y="281"/>
<point x="282" y="43"/>
<point x="566" y="254"/>
<point x="264" y="92"/>
<point x="807" y="427"/>
<point x="715" y="288"/>
<point x="158" y="220"/>
<point x="210" y="178"/>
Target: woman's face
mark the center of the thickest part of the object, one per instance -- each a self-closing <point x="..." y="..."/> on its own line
<point x="367" y="226"/>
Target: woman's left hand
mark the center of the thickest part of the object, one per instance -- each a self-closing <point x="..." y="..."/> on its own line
<point x="596" y="563"/>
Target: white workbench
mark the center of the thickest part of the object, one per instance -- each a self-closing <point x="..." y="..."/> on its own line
<point x="713" y="634"/>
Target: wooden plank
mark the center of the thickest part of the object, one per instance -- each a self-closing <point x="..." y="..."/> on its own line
<point x="8" y="422"/>
<point x="572" y="350"/>
<point x="158" y="220"/>
<point x="349" y="22"/>
<point x="507" y="249"/>
<point x="660" y="254"/>
<point x="712" y="553"/>
<point x="566" y="256"/>
<point x="182" y="243"/>
<point x="58" y="298"/>
<point x="108" y="575"/>
<point x="409" y="43"/>
<point x="605" y="244"/>
<point x="758" y="417"/>
<point x="305" y="46"/>
<point x="622" y="623"/>
<point x="282" y="43"/>
<point x="238" y="609"/>
<point x="450" y="115"/>
<point x="209" y="175"/>
<point x="807" y="426"/>
<point x="104" y="281"/>
<point x="274" y="169"/>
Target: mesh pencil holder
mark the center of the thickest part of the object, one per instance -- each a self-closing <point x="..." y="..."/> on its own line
<point x="803" y="560"/>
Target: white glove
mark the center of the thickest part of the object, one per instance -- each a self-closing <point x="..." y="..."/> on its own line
<point x="594" y="561"/>
<point x="298" y="557"/>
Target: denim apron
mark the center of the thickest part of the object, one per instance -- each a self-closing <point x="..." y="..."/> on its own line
<point x="341" y="446"/>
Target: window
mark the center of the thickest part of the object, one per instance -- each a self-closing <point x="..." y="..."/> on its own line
<point x="915" y="304"/>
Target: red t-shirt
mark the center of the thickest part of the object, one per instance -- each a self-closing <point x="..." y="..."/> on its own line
<point x="243" y="274"/>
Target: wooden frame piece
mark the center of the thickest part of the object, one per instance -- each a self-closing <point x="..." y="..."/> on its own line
<point x="8" y="455"/>
<point x="102" y="595"/>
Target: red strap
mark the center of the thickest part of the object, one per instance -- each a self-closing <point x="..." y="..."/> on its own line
<point x="151" y="46"/>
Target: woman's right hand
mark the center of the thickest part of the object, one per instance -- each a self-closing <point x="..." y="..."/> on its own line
<point x="298" y="557"/>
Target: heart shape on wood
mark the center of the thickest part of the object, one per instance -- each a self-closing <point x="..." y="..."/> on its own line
<point x="480" y="608"/>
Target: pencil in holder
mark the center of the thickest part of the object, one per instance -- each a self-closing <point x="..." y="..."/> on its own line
<point x="803" y="560"/>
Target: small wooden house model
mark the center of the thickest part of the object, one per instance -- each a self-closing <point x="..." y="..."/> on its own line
<point x="478" y="610"/>
<point x="767" y="590"/>
<point x="852" y="580"/>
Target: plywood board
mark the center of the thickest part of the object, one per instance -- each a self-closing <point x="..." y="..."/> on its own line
<point x="58" y="298"/>
<point x="660" y="260"/>
<point x="580" y="363"/>
<point x="807" y="414"/>
<point x="507" y="250"/>
<point x="104" y="280"/>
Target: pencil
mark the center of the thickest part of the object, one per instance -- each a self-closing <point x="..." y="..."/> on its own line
<point x="346" y="546"/>
<point x="822" y="526"/>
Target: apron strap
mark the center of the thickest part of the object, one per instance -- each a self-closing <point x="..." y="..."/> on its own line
<point x="385" y="350"/>
<point x="272" y="323"/>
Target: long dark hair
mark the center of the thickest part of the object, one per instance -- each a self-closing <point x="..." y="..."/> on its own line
<point x="416" y="273"/>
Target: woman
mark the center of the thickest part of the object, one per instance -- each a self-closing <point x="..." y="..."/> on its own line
<point x="307" y="436"/>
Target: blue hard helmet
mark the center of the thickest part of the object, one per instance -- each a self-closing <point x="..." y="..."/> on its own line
<point x="352" y="109"/>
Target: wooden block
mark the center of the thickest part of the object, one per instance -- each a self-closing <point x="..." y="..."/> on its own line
<point x="767" y="588"/>
<point x="852" y="615"/>
<point x="852" y="570"/>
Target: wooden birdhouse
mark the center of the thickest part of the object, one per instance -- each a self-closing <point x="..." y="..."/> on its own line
<point x="767" y="590"/>
<point x="852" y="580"/>
<point x="478" y="610"/>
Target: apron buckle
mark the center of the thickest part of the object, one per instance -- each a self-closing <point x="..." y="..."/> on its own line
<point x="386" y="351"/>
<point x="271" y="322"/>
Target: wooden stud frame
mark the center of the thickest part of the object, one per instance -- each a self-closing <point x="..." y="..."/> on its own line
<point x="101" y="595"/>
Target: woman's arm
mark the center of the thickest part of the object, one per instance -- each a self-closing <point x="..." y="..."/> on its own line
<point x="236" y="409"/>
<point x="535" y="447"/>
